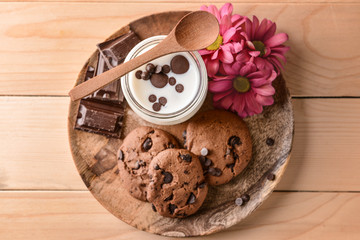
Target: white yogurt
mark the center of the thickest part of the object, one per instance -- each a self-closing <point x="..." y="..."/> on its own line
<point x="141" y="89"/>
<point x="180" y="106"/>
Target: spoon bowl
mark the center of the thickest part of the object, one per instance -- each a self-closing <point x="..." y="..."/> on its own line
<point x="195" y="31"/>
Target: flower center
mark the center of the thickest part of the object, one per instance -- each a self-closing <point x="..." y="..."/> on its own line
<point x="259" y="46"/>
<point x="215" y="45"/>
<point x="241" y="84"/>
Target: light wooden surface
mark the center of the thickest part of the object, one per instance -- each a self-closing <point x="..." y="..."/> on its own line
<point x="44" y="44"/>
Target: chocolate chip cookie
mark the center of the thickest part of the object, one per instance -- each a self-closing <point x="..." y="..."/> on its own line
<point x="177" y="187"/>
<point x="135" y="154"/>
<point x="223" y="142"/>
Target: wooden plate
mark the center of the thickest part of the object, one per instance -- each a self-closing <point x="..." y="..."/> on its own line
<point x="219" y="210"/>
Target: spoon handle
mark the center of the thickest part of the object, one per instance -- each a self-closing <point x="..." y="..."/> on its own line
<point x="115" y="73"/>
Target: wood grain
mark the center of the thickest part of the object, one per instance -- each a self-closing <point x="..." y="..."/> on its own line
<point x="77" y="215"/>
<point x="44" y="45"/>
<point x="325" y="155"/>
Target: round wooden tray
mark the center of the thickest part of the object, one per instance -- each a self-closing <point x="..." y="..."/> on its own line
<point x="219" y="210"/>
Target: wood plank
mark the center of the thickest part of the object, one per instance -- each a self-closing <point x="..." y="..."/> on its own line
<point x="325" y="153"/>
<point x="43" y="45"/>
<point x="77" y="215"/>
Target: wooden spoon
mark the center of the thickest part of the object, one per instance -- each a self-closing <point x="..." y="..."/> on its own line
<point x="196" y="30"/>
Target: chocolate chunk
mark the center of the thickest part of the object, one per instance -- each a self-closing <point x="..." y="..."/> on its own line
<point x="184" y="134"/>
<point x="270" y="177"/>
<point x="234" y="140"/>
<point x="179" y="64"/>
<point x="204" y="151"/>
<point x="156" y="167"/>
<point x="179" y="88"/>
<point x="245" y="197"/>
<point x="100" y="117"/>
<point x="186" y="157"/>
<point x="120" y="155"/>
<point x="235" y="156"/>
<point x="162" y="101"/>
<point x="169" y="198"/>
<point x="158" y="69"/>
<point x="167" y="177"/>
<point x="202" y="185"/>
<point x="114" y="51"/>
<point x="231" y="166"/>
<point x="215" y="172"/>
<point x="172" y="81"/>
<point x="153" y="208"/>
<point x="186" y="172"/>
<point x="159" y="80"/>
<point x="150" y="68"/>
<point x="147" y="144"/>
<point x="171" y="145"/>
<point x="207" y="162"/>
<point x="138" y="74"/>
<point x="191" y="199"/>
<point x="145" y="75"/>
<point x="270" y="141"/>
<point x="165" y="69"/>
<point x="152" y="98"/>
<point x="239" y="201"/>
<point x="156" y="107"/>
<point x="172" y="208"/>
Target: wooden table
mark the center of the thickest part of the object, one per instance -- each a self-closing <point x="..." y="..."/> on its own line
<point x="44" y="44"/>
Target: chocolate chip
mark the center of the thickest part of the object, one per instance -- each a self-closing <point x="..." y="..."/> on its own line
<point x="152" y="98"/>
<point x="179" y="64"/>
<point x="202" y="185"/>
<point x="235" y="156"/>
<point x="120" y="155"/>
<point x="207" y="162"/>
<point x="204" y="151"/>
<point x="145" y="75"/>
<point x="138" y="74"/>
<point x="184" y="134"/>
<point x="245" y="197"/>
<point x="179" y="88"/>
<point x="156" y="107"/>
<point x="239" y="201"/>
<point x="172" y="81"/>
<point x="186" y="157"/>
<point x="234" y="140"/>
<point x="186" y="172"/>
<point x="215" y="172"/>
<point x="159" y="80"/>
<point x="152" y="131"/>
<point x="150" y="67"/>
<point x="169" y="198"/>
<point x="231" y="166"/>
<point x="165" y="69"/>
<point x="202" y="160"/>
<point x="147" y="144"/>
<point x="156" y="167"/>
<point x="142" y="163"/>
<point x="171" y="145"/>
<point x="167" y="177"/>
<point x="172" y="208"/>
<point x="158" y="69"/>
<point x="191" y="199"/>
<point x="79" y="115"/>
<point x="153" y="208"/>
<point x="270" y="141"/>
<point x="270" y="177"/>
<point x="162" y="101"/>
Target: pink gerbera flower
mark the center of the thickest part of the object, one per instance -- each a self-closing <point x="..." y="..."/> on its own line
<point x="229" y="41"/>
<point x="245" y="89"/>
<point x="263" y="44"/>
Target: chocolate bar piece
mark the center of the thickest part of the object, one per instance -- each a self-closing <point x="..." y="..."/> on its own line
<point x="114" y="51"/>
<point x="96" y="117"/>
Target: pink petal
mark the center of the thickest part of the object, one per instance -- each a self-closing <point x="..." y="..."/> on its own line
<point x="247" y="68"/>
<point x="255" y="26"/>
<point x="227" y="101"/>
<point x="251" y="103"/>
<point x="226" y="9"/>
<point x="237" y="47"/>
<point x="225" y="24"/>
<point x="270" y="32"/>
<point x="243" y="56"/>
<point x="261" y="30"/>
<point x="276" y="63"/>
<point x="239" y="103"/>
<point x="220" y="86"/>
<point x="277" y="40"/>
<point x="215" y="54"/>
<point x="258" y="82"/>
<point x="264" y="100"/>
<point x="205" y="52"/>
<point x="219" y="96"/>
<point x="237" y="20"/>
<point x="250" y="45"/>
<point x="262" y="63"/>
<point x="226" y="57"/>
<point x="278" y="55"/>
<point x="280" y="49"/>
<point x="204" y="8"/>
<point x="265" y="90"/>
<point x="212" y="9"/>
<point x="228" y="35"/>
<point x="228" y="70"/>
<point x="212" y="66"/>
<point x="254" y="53"/>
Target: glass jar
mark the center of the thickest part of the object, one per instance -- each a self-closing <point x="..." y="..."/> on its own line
<point x="180" y="106"/>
